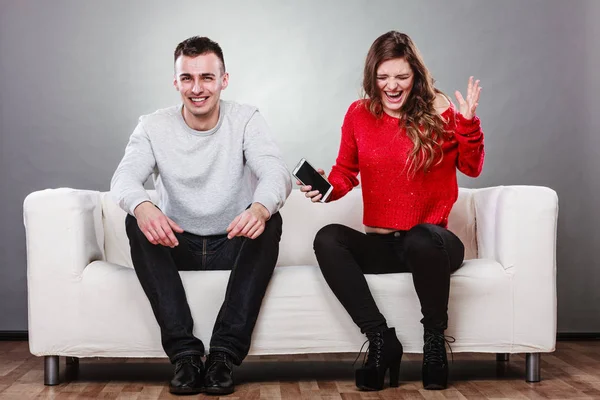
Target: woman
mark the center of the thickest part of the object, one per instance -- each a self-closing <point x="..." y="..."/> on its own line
<point x="407" y="140"/>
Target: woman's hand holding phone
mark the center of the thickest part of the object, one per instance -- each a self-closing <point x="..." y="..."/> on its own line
<point x="313" y="195"/>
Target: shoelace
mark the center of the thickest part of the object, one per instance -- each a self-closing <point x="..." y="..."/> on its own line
<point x="218" y="357"/>
<point x="186" y="360"/>
<point x="375" y="341"/>
<point x="435" y="346"/>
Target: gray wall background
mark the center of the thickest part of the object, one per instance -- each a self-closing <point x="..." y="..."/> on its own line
<point x="74" y="77"/>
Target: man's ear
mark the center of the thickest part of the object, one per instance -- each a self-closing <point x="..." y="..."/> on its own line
<point x="225" y="80"/>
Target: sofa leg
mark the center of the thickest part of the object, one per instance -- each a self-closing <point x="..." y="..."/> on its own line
<point x="73" y="361"/>
<point x="502" y="357"/>
<point x="533" y="367"/>
<point x="51" y="370"/>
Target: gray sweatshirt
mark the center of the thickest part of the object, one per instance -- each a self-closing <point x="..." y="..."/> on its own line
<point x="201" y="177"/>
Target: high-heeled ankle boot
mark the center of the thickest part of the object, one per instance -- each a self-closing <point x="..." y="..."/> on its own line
<point x="385" y="352"/>
<point x="435" y="360"/>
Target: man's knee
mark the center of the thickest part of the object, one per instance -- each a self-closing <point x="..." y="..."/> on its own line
<point x="131" y="227"/>
<point x="274" y="225"/>
<point x="131" y="224"/>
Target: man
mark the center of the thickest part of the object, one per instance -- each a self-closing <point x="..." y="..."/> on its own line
<point x="209" y="216"/>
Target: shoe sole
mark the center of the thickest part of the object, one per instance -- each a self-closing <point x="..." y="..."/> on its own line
<point x="368" y="389"/>
<point x="185" y="390"/>
<point x="218" y="391"/>
<point x="433" y="386"/>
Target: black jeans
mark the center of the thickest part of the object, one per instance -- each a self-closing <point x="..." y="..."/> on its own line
<point x="430" y="252"/>
<point x="251" y="263"/>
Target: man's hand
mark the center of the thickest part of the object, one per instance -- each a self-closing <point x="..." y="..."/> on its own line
<point x="156" y="226"/>
<point x="250" y="223"/>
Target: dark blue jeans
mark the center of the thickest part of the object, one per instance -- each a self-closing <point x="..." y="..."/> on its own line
<point x="251" y="263"/>
<point x="431" y="253"/>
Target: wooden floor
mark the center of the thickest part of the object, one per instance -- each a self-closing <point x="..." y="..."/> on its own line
<point x="572" y="372"/>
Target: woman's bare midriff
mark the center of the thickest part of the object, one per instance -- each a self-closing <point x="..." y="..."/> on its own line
<point x="381" y="231"/>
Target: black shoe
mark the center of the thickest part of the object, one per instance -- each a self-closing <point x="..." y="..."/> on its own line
<point x="189" y="376"/>
<point x="435" y="360"/>
<point x="385" y="352"/>
<point x="219" y="373"/>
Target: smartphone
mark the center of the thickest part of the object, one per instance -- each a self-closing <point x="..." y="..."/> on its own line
<point x="309" y="176"/>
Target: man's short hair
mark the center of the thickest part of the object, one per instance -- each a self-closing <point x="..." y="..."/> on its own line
<point x="198" y="45"/>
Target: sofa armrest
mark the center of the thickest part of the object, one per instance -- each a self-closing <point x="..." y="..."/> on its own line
<point x="516" y="226"/>
<point x="64" y="231"/>
<point x="64" y="234"/>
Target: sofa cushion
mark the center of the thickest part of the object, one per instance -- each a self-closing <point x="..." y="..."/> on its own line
<point x="300" y="314"/>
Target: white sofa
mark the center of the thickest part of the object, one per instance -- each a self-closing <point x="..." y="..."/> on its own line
<point x="85" y="299"/>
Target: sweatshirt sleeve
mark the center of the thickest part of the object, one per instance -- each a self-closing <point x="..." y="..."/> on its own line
<point x="127" y="184"/>
<point x="344" y="174"/>
<point x="471" y="151"/>
<point x="264" y="159"/>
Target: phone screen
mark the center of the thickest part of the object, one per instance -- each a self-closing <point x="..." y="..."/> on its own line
<point x="309" y="176"/>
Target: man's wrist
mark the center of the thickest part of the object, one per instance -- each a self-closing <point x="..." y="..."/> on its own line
<point x="262" y="210"/>
<point x="141" y="205"/>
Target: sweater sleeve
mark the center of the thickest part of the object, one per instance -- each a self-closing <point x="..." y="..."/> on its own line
<point x="264" y="159"/>
<point x="127" y="184"/>
<point x="344" y="173"/>
<point x="471" y="151"/>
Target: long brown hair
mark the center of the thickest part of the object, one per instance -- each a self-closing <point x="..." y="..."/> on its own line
<point x="424" y="126"/>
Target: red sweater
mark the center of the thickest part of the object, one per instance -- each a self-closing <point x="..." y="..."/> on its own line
<point x="378" y="148"/>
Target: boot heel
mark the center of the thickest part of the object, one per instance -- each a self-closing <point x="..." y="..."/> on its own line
<point x="369" y="379"/>
<point x="395" y="373"/>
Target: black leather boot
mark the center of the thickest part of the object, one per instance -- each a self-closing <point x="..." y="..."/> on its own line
<point x="189" y="376"/>
<point x="219" y="374"/>
<point x="385" y="352"/>
<point x="435" y="360"/>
